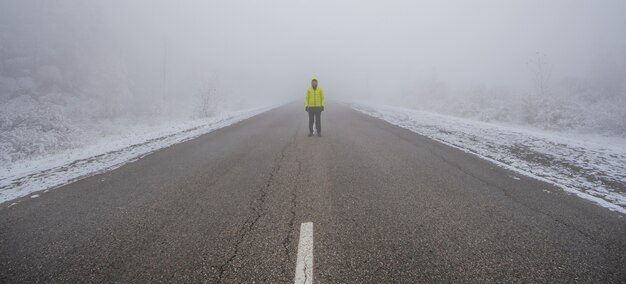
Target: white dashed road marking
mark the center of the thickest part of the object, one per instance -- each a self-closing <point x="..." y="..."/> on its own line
<point x="304" y="263"/>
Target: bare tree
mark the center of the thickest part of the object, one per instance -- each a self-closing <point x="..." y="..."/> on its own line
<point x="534" y="103"/>
<point x="208" y="98"/>
<point x="541" y="71"/>
<point x="207" y="102"/>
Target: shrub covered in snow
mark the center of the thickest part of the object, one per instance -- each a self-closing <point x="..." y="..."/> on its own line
<point x="574" y="105"/>
<point x="64" y="81"/>
<point x="31" y="127"/>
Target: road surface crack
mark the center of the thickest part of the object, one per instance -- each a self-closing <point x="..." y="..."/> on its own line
<point x="306" y="275"/>
<point x="257" y="209"/>
<point x="496" y="186"/>
<point x="524" y="204"/>
<point x="291" y="223"/>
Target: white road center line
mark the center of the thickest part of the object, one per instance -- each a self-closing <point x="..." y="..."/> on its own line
<point x="304" y="263"/>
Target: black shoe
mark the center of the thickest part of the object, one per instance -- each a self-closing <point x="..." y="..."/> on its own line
<point x="310" y="134"/>
<point x="319" y="133"/>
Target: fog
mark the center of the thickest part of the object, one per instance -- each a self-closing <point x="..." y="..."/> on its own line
<point x="95" y="60"/>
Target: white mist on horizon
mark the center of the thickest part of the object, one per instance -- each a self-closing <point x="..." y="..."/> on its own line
<point x="71" y="65"/>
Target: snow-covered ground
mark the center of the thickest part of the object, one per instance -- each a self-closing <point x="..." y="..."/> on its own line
<point x="592" y="167"/>
<point x="24" y="177"/>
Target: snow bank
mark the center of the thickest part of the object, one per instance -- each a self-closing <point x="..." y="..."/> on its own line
<point x="592" y="167"/>
<point x="26" y="176"/>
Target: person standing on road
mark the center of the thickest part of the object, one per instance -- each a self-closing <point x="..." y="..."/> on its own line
<point x="314" y="105"/>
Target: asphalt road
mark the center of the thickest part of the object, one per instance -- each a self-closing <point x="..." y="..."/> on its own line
<point x="387" y="205"/>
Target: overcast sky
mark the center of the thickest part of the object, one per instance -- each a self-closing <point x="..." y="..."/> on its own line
<point x="392" y="44"/>
<point x="272" y="48"/>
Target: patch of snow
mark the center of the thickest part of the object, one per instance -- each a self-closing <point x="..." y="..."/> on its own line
<point x="24" y="177"/>
<point x="591" y="167"/>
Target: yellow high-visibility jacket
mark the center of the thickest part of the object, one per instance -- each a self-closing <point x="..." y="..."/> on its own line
<point x="314" y="98"/>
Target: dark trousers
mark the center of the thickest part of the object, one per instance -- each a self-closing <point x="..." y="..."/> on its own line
<point x="315" y="114"/>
